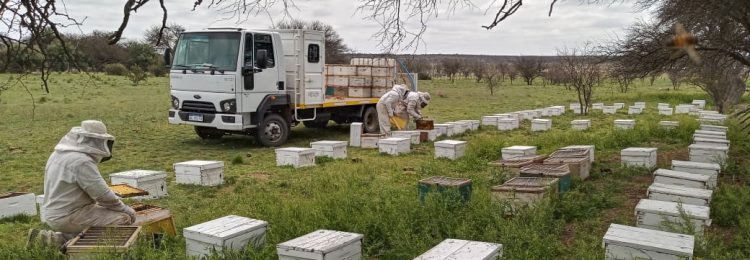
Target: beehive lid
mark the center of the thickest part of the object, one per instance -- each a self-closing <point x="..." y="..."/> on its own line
<point x="373" y="135"/>
<point x="218" y="230"/>
<point x="651" y="240"/>
<point x="672" y="208"/>
<point x="126" y="191"/>
<point x="449" y="143"/>
<point x="665" y="108"/>
<point x="473" y="121"/>
<point x="394" y="140"/>
<point x="329" y="143"/>
<point x="541" y="121"/>
<point x="670" y="123"/>
<point x="461" y="249"/>
<point x="708" y="132"/>
<point x="445" y="181"/>
<point x="680" y="190"/>
<point x="507" y="120"/>
<point x="711" y="140"/>
<point x="519" y="147"/>
<point x="321" y="241"/>
<point x="566" y="159"/>
<point x="530" y="182"/>
<point x="682" y="175"/>
<point x="300" y="150"/>
<point x="720" y="148"/>
<point x="696" y="165"/>
<point x="556" y="169"/>
<point x="99" y="239"/>
<point x="624" y="121"/>
<point x="637" y="151"/>
<point x="142" y="175"/>
<point x="202" y="164"/>
<point x="442" y="125"/>
<point x="406" y="132"/>
<point x="581" y="121"/>
<point x="491" y="117"/>
<point x="570" y="152"/>
<point x="716" y="127"/>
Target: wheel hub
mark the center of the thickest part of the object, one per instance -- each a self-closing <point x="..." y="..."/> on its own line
<point x="273" y="131"/>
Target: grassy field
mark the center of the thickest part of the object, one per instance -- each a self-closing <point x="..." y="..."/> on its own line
<point x="375" y="195"/>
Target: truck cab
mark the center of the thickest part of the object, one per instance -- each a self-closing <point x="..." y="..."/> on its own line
<point x="256" y="82"/>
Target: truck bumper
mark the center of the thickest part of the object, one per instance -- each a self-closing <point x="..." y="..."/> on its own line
<point x="219" y="121"/>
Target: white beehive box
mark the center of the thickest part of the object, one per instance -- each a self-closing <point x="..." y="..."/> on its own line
<point x="473" y="124"/>
<point x="625" y="123"/>
<point x="660" y="105"/>
<point x="641" y="104"/>
<point x="714" y="128"/>
<point x="609" y="109"/>
<point x="322" y="245"/>
<point x="394" y="145"/>
<point x="445" y="129"/>
<point x="370" y="141"/>
<point x="708" y="153"/>
<point x="598" y="106"/>
<point x="667" y="111"/>
<point x="490" y="120"/>
<point x="463" y="249"/>
<point x="225" y="233"/>
<point x="712" y="170"/>
<point x="711" y="141"/>
<point x="461" y="126"/>
<point x="699" y="103"/>
<point x="205" y="173"/>
<point x="681" y="194"/>
<point x="40" y="204"/>
<point x="715" y="134"/>
<point x="626" y="242"/>
<point x="683" y="109"/>
<point x="360" y="92"/>
<point x="432" y="135"/>
<point x="341" y="70"/>
<point x="712" y="118"/>
<point x="686" y="179"/>
<point x="590" y="148"/>
<point x="506" y="124"/>
<point x="541" y="125"/>
<point x="575" y="106"/>
<point x="557" y="110"/>
<point x="295" y="156"/>
<point x="517" y="150"/>
<point x="17" y="203"/>
<point x="619" y="105"/>
<point x="652" y="214"/>
<point x="545" y="111"/>
<point x="355" y="134"/>
<point x="639" y="157"/>
<point x="580" y="124"/>
<point x="450" y="149"/>
<point x="669" y="124"/>
<point x="411" y="135"/>
<point x="378" y="91"/>
<point x="153" y="182"/>
<point x="333" y="149"/>
<point x="635" y="110"/>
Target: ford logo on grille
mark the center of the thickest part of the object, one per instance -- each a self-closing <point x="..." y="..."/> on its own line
<point x="197" y="96"/>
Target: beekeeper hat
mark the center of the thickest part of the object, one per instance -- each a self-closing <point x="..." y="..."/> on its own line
<point x="425" y="97"/>
<point x="92" y="129"/>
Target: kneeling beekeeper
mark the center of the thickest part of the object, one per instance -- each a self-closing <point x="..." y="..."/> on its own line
<point x="386" y="107"/>
<point x="75" y="194"/>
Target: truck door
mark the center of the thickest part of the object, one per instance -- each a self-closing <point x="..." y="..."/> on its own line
<point x="314" y="51"/>
<point x="258" y="84"/>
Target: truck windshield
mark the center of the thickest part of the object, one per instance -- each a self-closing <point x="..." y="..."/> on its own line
<point x="207" y="50"/>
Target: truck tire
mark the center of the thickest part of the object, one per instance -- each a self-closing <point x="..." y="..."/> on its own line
<point x="273" y="131"/>
<point x="315" y="124"/>
<point x="370" y="120"/>
<point x="208" y="132"/>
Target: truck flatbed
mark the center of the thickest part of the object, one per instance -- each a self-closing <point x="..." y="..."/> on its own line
<point x="340" y="102"/>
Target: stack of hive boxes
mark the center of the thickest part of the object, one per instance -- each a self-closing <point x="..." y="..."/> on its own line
<point x="363" y="78"/>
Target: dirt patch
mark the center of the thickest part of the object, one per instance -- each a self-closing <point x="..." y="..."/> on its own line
<point x="569" y="234"/>
<point x="634" y="191"/>
<point x="666" y="157"/>
<point x="259" y="175"/>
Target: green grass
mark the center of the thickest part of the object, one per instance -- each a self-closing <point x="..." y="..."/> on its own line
<point x="375" y="195"/>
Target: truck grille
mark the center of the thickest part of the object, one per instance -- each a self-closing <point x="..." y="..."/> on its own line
<point x="198" y="106"/>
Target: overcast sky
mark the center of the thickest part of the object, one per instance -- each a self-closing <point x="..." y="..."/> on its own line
<point x="528" y="32"/>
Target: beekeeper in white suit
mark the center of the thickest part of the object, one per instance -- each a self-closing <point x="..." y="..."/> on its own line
<point x="412" y="106"/>
<point x="76" y="195"/>
<point x="387" y="105"/>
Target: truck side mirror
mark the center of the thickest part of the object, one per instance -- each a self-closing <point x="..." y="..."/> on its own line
<point x="168" y="57"/>
<point x="261" y="59"/>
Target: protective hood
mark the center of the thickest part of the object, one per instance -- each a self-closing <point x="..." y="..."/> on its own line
<point x="401" y="90"/>
<point x="90" y="138"/>
<point x="424" y="97"/>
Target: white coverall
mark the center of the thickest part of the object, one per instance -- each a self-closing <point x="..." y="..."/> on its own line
<point x="76" y="195"/>
<point x="386" y="107"/>
<point x="410" y="107"/>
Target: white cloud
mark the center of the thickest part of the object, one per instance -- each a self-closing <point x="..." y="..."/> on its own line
<point x="529" y="31"/>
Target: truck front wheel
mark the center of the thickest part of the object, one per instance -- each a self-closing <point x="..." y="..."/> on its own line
<point x="273" y="131"/>
<point x="208" y="132"/>
<point x="370" y="120"/>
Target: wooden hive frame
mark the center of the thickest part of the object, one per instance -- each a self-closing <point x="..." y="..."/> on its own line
<point x="103" y="239"/>
<point x="154" y="219"/>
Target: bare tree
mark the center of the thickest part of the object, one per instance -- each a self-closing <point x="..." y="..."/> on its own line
<point x="677" y="76"/>
<point x="723" y="79"/>
<point x="451" y="67"/>
<point x="583" y="72"/>
<point x="493" y="76"/>
<point x="164" y="38"/>
<point x="477" y="68"/>
<point x="512" y="72"/>
<point x="528" y="67"/>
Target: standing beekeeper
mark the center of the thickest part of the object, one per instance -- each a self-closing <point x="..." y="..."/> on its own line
<point x="412" y="106"/>
<point x="387" y="105"/>
<point x="76" y="195"/>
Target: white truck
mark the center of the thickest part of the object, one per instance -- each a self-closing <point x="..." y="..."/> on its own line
<point x="256" y="82"/>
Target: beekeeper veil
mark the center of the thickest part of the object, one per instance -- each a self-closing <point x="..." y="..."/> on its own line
<point x="90" y="138"/>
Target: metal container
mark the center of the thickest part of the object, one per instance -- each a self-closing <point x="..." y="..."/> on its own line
<point x="332" y="149"/>
<point x="225" y="233"/>
<point x="153" y="182"/>
<point x="712" y="170"/>
<point x="681" y="194"/>
<point x="394" y="145"/>
<point x="322" y="245"/>
<point x="445" y="187"/>
<point x="656" y="215"/>
<point x="559" y="171"/>
<point x="450" y="149"/>
<point x="463" y="249"/>
<point x="626" y="242"/>
<point x="205" y="173"/>
<point x="296" y="157"/>
<point x="17" y="203"/>
<point x="686" y="179"/>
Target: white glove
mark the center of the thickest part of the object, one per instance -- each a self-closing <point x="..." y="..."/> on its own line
<point x="131" y="212"/>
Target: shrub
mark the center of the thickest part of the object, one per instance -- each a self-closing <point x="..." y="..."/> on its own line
<point x="238" y="160"/>
<point x="136" y="75"/>
<point x="157" y="70"/>
<point x="116" y="69"/>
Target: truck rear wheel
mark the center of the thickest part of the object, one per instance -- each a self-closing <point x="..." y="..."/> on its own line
<point x="208" y="132"/>
<point x="370" y="120"/>
<point x="273" y="131"/>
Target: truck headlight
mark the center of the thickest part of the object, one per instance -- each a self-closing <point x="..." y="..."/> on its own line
<point x="228" y="106"/>
<point x="175" y="103"/>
